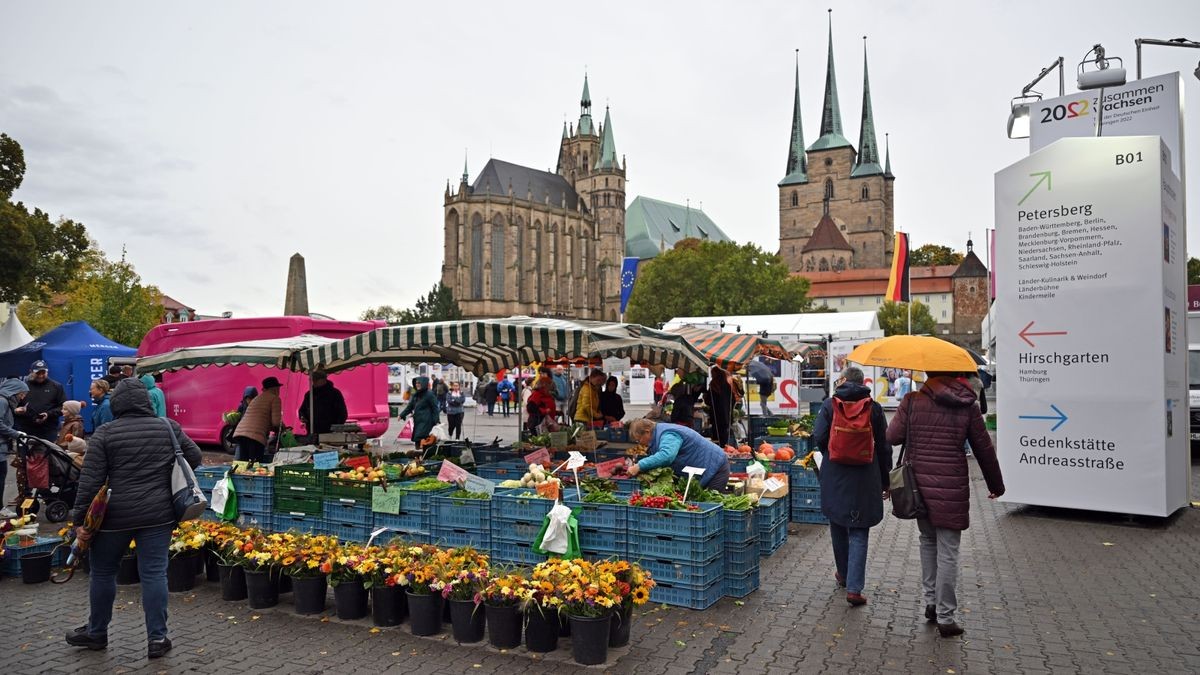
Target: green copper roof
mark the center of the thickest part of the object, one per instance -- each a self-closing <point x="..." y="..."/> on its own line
<point x="831" y="114"/>
<point x="652" y="226"/>
<point x="608" y="147"/>
<point x="868" y="149"/>
<point x="585" y="111"/>
<point x="797" y="163"/>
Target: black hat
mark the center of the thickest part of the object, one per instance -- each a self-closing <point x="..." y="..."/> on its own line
<point x="270" y="382"/>
<point x="38" y="366"/>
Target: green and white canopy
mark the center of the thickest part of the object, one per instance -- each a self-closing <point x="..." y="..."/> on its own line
<point x="276" y="353"/>
<point x="489" y="345"/>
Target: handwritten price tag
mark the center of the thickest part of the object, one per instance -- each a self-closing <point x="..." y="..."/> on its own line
<point x="326" y="460"/>
<point x="452" y="473"/>
<point x="539" y="456"/>
<point x="385" y="501"/>
<point x="772" y="484"/>
<point x="587" y="439"/>
<point x="476" y="484"/>
<point x="575" y="460"/>
<point x="607" y="469"/>
<point x="359" y="461"/>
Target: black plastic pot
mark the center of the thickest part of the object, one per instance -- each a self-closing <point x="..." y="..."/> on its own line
<point x="424" y="613"/>
<point x="350" y="600"/>
<point x="35" y="567"/>
<point x="127" y="571"/>
<point x="233" y="582"/>
<point x="181" y="573"/>
<point x="261" y="589"/>
<point x="282" y="581"/>
<point x="541" y="629"/>
<point x="198" y="562"/>
<point x="212" y="566"/>
<point x="388" y="605"/>
<point x="589" y="639"/>
<point x="308" y="594"/>
<point x="618" y="629"/>
<point x="503" y="626"/>
<point x="467" y="621"/>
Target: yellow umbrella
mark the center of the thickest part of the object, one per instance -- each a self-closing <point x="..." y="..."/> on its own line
<point x="914" y="352"/>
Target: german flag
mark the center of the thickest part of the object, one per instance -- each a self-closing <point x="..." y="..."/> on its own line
<point x="897" y="290"/>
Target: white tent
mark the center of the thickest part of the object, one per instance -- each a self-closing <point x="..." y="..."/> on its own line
<point x="789" y="326"/>
<point x="12" y="333"/>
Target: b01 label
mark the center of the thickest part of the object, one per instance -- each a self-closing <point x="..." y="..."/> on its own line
<point x="1128" y="158"/>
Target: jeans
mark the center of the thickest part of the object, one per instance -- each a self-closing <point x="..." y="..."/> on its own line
<point x="454" y="420"/>
<point x="106" y="552"/>
<point x="249" y="450"/>
<point x="491" y="407"/>
<point x="720" y="479"/>
<point x="763" y="401"/>
<point x="504" y="407"/>
<point x="850" y="555"/>
<point x="939" y="568"/>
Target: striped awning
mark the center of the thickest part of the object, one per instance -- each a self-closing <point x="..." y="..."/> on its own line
<point x="488" y="345"/>
<point x="276" y="352"/>
<point x="731" y="351"/>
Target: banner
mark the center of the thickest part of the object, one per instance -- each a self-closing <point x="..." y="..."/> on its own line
<point x="897" y="288"/>
<point x="629" y="271"/>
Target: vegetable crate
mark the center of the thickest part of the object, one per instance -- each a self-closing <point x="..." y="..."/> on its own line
<point x="11" y="564"/>
<point x="612" y="517"/>
<point x="207" y="476"/>
<point x="255" y="503"/>
<point x="741" y="558"/>
<point x="514" y="551"/>
<point x="299" y="505"/>
<point x="701" y="524"/>
<point x="351" y="511"/>
<point x="773" y="540"/>
<point x="800" y="477"/>
<point x="516" y="530"/>
<point x="352" y="532"/>
<point x="770" y="512"/>
<point x="418" y="501"/>
<point x="759" y="423"/>
<point x="690" y="575"/>
<point x="603" y="543"/>
<point x="742" y="585"/>
<point x="507" y="470"/>
<point x="515" y="505"/>
<point x="679" y="548"/>
<point x="252" y="485"/>
<point x="492" y="455"/>
<point x="453" y="537"/>
<point x="813" y="516"/>
<point x="285" y="522"/>
<point x="261" y="521"/>
<point x="740" y="527"/>
<point x="806" y="498"/>
<point x="353" y="489"/>
<point x="797" y="443"/>
<point x="406" y="524"/>
<point x="670" y="593"/>
<point x="300" y="478"/>
<point x="461" y="513"/>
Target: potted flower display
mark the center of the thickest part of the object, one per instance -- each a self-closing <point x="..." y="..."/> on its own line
<point x="346" y="576"/>
<point x="307" y="560"/>
<point x="425" y="575"/>
<point x="187" y="542"/>
<point x="589" y="596"/>
<point x="633" y="588"/>
<point x="468" y="575"/>
<point x="502" y="598"/>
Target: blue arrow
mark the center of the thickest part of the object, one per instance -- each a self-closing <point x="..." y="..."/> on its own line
<point x="1061" y="417"/>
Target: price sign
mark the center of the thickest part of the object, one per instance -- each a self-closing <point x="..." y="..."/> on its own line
<point x="539" y="456"/>
<point x="474" y="483"/>
<point x="385" y="501"/>
<point x="326" y="460"/>
<point x="559" y="439"/>
<point x="692" y="472"/>
<point x="607" y="469"/>
<point x="549" y="490"/>
<point x="359" y="461"/>
<point x="587" y="439"/>
<point x="575" y="460"/>
<point x="452" y="473"/>
<point x="772" y="484"/>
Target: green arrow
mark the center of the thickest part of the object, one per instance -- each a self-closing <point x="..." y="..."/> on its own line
<point x="1045" y="178"/>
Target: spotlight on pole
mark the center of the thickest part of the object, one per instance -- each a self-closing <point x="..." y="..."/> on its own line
<point x="1104" y="75"/>
<point x="1018" y="117"/>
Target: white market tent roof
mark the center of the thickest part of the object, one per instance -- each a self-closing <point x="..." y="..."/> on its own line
<point x="837" y="324"/>
<point x="12" y="333"/>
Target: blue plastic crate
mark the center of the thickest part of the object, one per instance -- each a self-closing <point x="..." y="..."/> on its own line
<point x="346" y="510"/>
<point x="602" y="516"/>
<point x="508" y="506"/>
<point x="284" y="522"/>
<point x="742" y="585"/>
<point x="407" y="536"/>
<point x="352" y="532"/>
<point x="253" y="485"/>
<point x="739" y="527"/>
<point x="207" y="476"/>
<point x="619" y="435"/>
<point x="770" y="512"/>
<point x="451" y="537"/>
<point x="800" y="445"/>
<point x="698" y="524"/>
<point x="514" y="551"/>
<point x="261" y="521"/>
<point x="209" y="514"/>
<point x="407" y="521"/>
<point x="500" y="471"/>
<point x="255" y="503"/>
<point x="686" y="574"/>
<point x="680" y="549"/>
<point x="771" y="542"/>
<point x="419" y="501"/>
<point x="759" y="423"/>
<point x="490" y="455"/>
<point x="516" y="530"/>
<point x="459" y="512"/>
<point x="806" y="498"/>
<point x="11" y="564"/>
<point x="594" y="538"/>
<point x="813" y="516"/>
<point x="668" y="593"/>
<point x="600" y="553"/>
<point x="741" y="558"/>
<point x="801" y="478"/>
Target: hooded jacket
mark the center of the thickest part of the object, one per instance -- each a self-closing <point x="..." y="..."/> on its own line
<point x="8" y="402"/>
<point x="135" y="456"/>
<point x="424" y="408"/>
<point x="933" y="423"/>
<point x="852" y="496"/>
<point x="158" y="400"/>
<point x="102" y="411"/>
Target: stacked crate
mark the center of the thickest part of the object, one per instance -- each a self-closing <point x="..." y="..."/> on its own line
<point x="458" y="521"/>
<point x="603" y="528"/>
<point x="347" y="509"/>
<point x="255" y="501"/>
<point x="206" y="480"/>
<point x="299" y="498"/>
<point x="509" y="469"/>
<point x="683" y="550"/>
<point x="415" y="519"/>
<point x="18" y="548"/>
<point x="805" y="493"/>
<point x="516" y="520"/>
<point x="741" y="553"/>
<point x="771" y="521"/>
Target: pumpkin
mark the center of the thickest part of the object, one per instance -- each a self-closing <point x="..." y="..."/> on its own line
<point x="744" y="449"/>
<point x="785" y="454"/>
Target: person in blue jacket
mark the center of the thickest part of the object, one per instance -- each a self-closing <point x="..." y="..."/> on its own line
<point x="678" y="446"/>
<point x="102" y="410"/>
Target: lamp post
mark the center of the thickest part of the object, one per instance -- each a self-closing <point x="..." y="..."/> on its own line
<point x="1018" y="118"/>
<point x="1174" y="42"/>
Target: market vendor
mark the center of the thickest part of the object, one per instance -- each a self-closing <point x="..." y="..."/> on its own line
<point x="678" y="446"/>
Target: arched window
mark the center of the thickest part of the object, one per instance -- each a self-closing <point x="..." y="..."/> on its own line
<point x="808" y="265"/>
<point x="823" y="266"/>
<point x="521" y="285"/>
<point x="476" y="257"/>
<point x="866" y="192"/>
<point x="828" y="188"/>
<point x="537" y="261"/>
<point x="499" y="259"/>
<point x="585" y="253"/>
<point x="841" y="263"/>
<point x="452" y="243"/>
<point x="795" y="198"/>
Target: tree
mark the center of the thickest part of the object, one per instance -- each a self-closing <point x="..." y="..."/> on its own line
<point x="893" y="318"/>
<point x="1193" y="271"/>
<point x="109" y="295"/>
<point x="934" y="254"/>
<point x="706" y="278"/>
<point x="438" y="305"/>
<point x="12" y="166"/>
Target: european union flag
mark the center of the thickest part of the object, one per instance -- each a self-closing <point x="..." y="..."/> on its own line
<point x="629" y="270"/>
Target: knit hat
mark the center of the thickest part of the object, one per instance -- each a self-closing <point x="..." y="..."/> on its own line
<point x="72" y="407"/>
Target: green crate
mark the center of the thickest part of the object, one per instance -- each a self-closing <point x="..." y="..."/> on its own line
<point x="344" y="487"/>
<point x="298" y="505"/>
<point x="304" y="476"/>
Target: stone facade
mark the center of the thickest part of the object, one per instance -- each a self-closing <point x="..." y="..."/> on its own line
<point x="971" y="300"/>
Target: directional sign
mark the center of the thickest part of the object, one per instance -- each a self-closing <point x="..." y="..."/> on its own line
<point x="1044" y="178"/>
<point x="1059" y="417"/>
<point x="1025" y="333"/>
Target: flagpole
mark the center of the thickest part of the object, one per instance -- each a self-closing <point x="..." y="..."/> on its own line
<point x="907" y="267"/>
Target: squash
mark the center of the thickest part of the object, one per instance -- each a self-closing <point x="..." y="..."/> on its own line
<point x="785" y="454"/>
<point x="745" y="449"/>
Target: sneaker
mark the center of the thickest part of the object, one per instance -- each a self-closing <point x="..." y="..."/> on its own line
<point x="7" y="512"/>
<point x="930" y="614"/>
<point x="81" y="638"/>
<point x="856" y="599"/>
<point x="159" y="648"/>
<point x="949" y="629"/>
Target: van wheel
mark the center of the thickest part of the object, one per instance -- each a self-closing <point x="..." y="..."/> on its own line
<point x="227" y="442"/>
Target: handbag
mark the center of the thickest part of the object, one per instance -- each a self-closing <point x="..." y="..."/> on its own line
<point x="186" y="497"/>
<point x="902" y="482"/>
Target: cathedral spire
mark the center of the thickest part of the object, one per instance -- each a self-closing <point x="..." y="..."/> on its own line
<point x="797" y="163"/>
<point x="868" y="148"/>
<point x="887" y="163"/>
<point x="831" y="114"/>
<point x="466" y="176"/>
<point x="585" y="110"/>
<point x="608" y="147"/>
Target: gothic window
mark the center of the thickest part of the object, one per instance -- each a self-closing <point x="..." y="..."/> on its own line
<point x="521" y="293"/>
<point x="606" y="181"/>
<point x="808" y="265"/>
<point x="828" y="189"/>
<point x="499" y="259"/>
<point x="586" y="166"/>
<point x="584" y="246"/>
<point x="828" y="162"/>
<point x="823" y="266"/>
<point x="795" y="198"/>
<point x="866" y="192"/>
<point x="476" y="257"/>
<point x="537" y="262"/>
<point x="452" y="245"/>
<point x="841" y="264"/>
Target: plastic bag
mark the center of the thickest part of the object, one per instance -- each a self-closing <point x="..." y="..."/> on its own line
<point x="559" y="535"/>
<point x="406" y="432"/>
<point x="287" y="439"/>
<point x="439" y="432"/>
<point x="224" y="498"/>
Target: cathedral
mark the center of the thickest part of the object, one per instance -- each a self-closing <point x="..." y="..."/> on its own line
<point x="835" y="203"/>
<point x="523" y="241"/>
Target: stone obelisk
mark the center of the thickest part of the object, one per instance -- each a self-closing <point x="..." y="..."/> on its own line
<point x="296" y="301"/>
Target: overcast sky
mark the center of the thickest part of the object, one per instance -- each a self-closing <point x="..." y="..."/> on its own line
<point x="213" y="140"/>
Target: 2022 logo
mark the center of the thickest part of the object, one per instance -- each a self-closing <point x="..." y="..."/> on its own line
<point x="1061" y="112"/>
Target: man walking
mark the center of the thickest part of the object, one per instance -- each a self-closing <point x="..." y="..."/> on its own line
<point x="43" y="405"/>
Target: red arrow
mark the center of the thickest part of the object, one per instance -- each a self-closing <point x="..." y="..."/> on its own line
<point x="1025" y="334"/>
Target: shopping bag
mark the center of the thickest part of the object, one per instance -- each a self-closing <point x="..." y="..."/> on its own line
<point x="37" y="470"/>
<point x="186" y="497"/>
<point x="406" y="432"/>
<point x="559" y="535"/>
<point x="287" y="439"/>
<point x="224" y="498"/>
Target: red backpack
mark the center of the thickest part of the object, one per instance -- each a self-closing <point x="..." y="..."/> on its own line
<point x="851" y="440"/>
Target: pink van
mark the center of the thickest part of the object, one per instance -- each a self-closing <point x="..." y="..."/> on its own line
<point x="198" y="398"/>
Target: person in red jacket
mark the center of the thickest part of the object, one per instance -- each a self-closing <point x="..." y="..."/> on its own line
<point x="541" y="406"/>
<point x="932" y="424"/>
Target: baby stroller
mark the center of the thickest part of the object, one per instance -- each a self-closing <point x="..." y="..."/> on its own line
<point x="50" y="476"/>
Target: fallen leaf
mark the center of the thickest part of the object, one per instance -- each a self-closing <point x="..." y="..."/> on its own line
<point x="950" y="670"/>
<point x="395" y="653"/>
<point x="324" y="653"/>
<point x="374" y="630"/>
<point x="1110" y="654"/>
<point x="1154" y="595"/>
<point x="680" y="643"/>
<point x="739" y="603"/>
<point x="1108" y="543"/>
<point x="324" y="619"/>
<point x="255" y="617"/>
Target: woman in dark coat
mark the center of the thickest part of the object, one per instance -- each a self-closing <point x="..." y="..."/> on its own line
<point x="933" y="423"/>
<point x="852" y="495"/>
<point x="425" y="409"/>
<point x="719" y="397"/>
<point x="491" y="393"/>
<point x="611" y="405"/>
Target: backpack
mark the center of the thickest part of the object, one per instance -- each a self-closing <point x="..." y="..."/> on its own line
<point x="851" y="439"/>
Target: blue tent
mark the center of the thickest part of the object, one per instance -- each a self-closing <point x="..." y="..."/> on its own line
<point x="75" y="353"/>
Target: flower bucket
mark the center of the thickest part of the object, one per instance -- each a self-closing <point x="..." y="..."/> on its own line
<point x="503" y="626"/>
<point x="466" y="621"/>
<point x="233" y="582"/>
<point x="198" y="562"/>
<point x="424" y="613"/>
<point x="308" y="594"/>
<point x="388" y="605"/>
<point x="589" y="639"/>
<point x="262" y="589"/>
<point x="618" y="629"/>
<point x="212" y="566"/>
<point x="283" y="582"/>
<point x="350" y="600"/>
<point x="181" y="573"/>
<point x="35" y="567"/>
<point x="541" y="629"/>
<point x="127" y="571"/>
